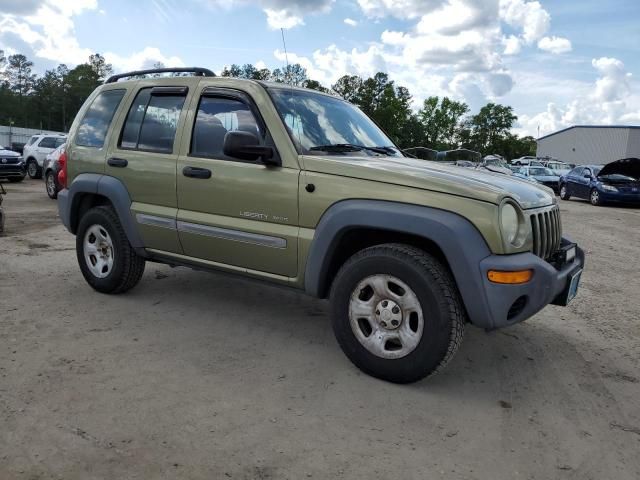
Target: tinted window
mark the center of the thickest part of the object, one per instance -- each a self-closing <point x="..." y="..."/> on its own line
<point x="48" y="142"/>
<point x="216" y="117"/>
<point x="95" y="123"/>
<point x="152" y="122"/>
<point x="59" y="141"/>
<point x="576" y="171"/>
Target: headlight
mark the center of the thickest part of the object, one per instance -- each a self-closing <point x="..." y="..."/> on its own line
<point x="509" y="222"/>
<point x="609" y="188"/>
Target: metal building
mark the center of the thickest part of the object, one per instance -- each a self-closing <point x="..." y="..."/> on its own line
<point x="591" y="144"/>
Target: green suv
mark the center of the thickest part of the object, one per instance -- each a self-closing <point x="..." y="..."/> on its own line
<point x="300" y="188"/>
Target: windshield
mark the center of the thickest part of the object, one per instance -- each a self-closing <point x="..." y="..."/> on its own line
<point x="316" y="120"/>
<point x="497" y="162"/>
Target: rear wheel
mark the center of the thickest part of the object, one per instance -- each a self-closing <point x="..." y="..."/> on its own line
<point x="397" y="313"/>
<point x="51" y="182"/>
<point x="595" y="198"/>
<point x="564" y="192"/>
<point x="107" y="260"/>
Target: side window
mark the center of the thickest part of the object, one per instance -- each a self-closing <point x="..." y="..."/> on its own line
<point x="152" y="122"/>
<point x="217" y="116"/>
<point x="59" y="141"/>
<point x="576" y="172"/>
<point x="48" y="142"/>
<point x="32" y="141"/>
<point x="587" y="171"/>
<point x="95" y="123"/>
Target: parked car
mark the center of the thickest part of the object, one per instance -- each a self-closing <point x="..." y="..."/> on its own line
<point x="37" y="148"/>
<point x="542" y="175"/>
<point x="495" y="164"/>
<point x="2" y="192"/>
<point x="527" y="160"/>
<point x="11" y="165"/>
<point x="422" y="153"/>
<point x="51" y="168"/>
<point x="557" y="167"/>
<point x="209" y="173"/>
<point x="615" y="182"/>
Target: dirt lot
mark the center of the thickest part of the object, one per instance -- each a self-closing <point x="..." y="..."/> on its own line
<point x="201" y="376"/>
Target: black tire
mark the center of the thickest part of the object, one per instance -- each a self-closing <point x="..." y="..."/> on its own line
<point x="435" y="289"/>
<point x="564" y="192"/>
<point x="128" y="266"/>
<point x="16" y="179"/>
<point x="594" y="197"/>
<point x="33" y="169"/>
<point x="51" y="185"/>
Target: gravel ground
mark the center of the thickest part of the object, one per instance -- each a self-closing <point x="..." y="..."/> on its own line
<point x="201" y="376"/>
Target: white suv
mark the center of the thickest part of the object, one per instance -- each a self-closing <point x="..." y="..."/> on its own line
<point x="37" y="148"/>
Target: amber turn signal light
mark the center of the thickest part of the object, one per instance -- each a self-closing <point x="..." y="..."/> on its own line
<point x="513" y="278"/>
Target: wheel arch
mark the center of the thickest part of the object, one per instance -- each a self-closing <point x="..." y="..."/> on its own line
<point x="447" y="235"/>
<point x="89" y="190"/>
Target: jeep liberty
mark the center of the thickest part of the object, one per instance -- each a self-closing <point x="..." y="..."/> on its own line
<point x="300" y="188"/>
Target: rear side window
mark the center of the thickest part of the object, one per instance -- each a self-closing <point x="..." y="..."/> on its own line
<point x="152" y="122"/>
<point x="95" y="123"/>
<point x="48" y="142"/>
<point x="59" y="141"/>
<point x="216" y="117"/>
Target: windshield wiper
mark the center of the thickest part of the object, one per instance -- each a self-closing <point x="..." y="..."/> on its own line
<point x="352" y="147"/>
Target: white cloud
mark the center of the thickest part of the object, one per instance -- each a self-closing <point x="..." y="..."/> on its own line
<point x="608" y="100"/>
<point x="49" y="31"/>
<point x="528" y="16"/>
<point x="351" y="22"/>
<point x="555" y="45"/>
<point x="512" y="45"/>
<point x="142" y="59"/>
<point x="282" y="18"/>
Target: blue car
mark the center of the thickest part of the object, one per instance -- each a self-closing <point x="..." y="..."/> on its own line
<point x="615" y="182"/>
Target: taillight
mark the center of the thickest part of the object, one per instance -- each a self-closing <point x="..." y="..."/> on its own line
<point x="62" y="174"/>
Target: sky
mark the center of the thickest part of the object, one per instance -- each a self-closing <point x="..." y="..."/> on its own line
<point x="556" y="62"/>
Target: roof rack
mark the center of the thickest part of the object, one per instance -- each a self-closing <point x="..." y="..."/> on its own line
<point x="197" y="71"/>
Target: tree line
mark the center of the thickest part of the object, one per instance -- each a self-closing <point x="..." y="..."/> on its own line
<point x="50" y="101"/>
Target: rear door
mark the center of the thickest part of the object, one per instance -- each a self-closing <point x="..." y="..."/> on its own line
<point x="243" y="214"/>
<point x="144" y="157"/>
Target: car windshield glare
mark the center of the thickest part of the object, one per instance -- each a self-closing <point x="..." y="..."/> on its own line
<point x="315" y="120"/>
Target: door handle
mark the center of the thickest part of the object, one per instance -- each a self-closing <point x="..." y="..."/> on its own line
<point x="195" y="172"/>
<point x="117" y="162"/>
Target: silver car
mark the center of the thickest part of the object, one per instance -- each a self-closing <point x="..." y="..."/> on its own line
<point x="50" y="169"/>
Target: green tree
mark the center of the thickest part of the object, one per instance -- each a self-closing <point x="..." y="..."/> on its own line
<point x="490" y="125"/>
<point x="100" y="66"/>
<point x="441" y="120"/>
<point x="348" y="87"/>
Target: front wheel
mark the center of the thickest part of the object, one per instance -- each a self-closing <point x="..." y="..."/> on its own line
<point x="107" y="260"/>
<point x="397" y="313"/>
<point x="595" y="198"/>
<point x="564" y="192"/>
<point x="33" y="169"/>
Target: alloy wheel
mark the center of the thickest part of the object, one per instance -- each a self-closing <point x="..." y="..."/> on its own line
<point x="386" y="316"/>
<point x="98" y="251"/>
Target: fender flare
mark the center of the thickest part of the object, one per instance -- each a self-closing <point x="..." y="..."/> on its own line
<point x="460" y="241"/>
<point x="104" y="185"/>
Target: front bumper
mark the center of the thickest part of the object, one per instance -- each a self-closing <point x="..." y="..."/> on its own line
<point x="510" y="304"/>
<point x="12" y="170"/>
<point x="620" y="197"/>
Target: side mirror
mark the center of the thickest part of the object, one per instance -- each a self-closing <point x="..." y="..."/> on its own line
<point x="246" y="146"/>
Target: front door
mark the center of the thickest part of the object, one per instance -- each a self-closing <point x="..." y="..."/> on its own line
<point x="230" y="211"/>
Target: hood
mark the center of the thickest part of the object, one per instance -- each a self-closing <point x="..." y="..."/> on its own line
<point x="8" y="153"/>
<point x="627" y="166"/>
<point x="465" y="182"/>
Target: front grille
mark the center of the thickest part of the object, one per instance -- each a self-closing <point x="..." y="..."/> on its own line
<point x="547" y="231"/>
<point x="8" y="160"/>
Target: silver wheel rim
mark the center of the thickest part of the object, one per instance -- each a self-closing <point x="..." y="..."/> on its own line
<point x="51" y="184"/>
<point x="33" y="169"/>
<point x="563" y="191"/>
<point x="98" y="251"/>
<point x="594" y="196"/>
<point x="385" y="316"/>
